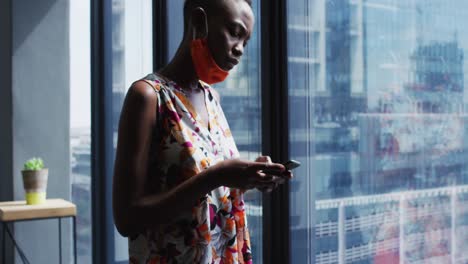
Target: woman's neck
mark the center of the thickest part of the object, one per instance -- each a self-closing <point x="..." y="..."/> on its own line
<point x="180" y="69"/>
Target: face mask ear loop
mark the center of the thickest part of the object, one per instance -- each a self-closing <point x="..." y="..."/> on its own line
<point x="206" y="25"/>
<point x="194" y="35"/>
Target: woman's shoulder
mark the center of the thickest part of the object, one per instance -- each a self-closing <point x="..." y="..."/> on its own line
<point x="156" y="81"/>
<point x="145" y="92"/>
<point x="141" y="94"/>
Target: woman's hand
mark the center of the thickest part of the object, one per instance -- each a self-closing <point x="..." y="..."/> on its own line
<point x="276" y="180"/>
<point x="241" y="174"/>
<point x="261" y="174"/>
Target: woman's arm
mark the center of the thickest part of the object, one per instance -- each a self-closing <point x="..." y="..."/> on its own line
<point x="137" y="120"/>
<point x="134" y="210"/>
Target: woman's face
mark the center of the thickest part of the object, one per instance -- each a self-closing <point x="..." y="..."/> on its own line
<point x="229" y="31"/>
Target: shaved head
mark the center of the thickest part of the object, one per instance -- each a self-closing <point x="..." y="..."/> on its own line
<point x="208" y="5"/>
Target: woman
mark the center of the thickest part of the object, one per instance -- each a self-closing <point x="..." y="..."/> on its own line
<point x="178" y="179"/>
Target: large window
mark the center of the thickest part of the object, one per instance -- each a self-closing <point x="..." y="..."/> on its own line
<point x="377" y="116"/>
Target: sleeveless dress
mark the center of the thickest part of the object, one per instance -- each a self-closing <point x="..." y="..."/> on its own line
<point x="182" y="146"/>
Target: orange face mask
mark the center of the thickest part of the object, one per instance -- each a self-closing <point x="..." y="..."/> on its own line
<point x="204" y="63"/>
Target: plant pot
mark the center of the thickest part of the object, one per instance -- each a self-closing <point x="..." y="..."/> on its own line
<point x="35" y="185"/>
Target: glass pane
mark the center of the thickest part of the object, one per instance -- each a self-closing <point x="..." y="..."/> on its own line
<point x="132" y="59"/>
<point x="377" y="116"/>
<point x="80" y="123"/>
<point x="304" y="56"/>
<point x="240" y="99"/>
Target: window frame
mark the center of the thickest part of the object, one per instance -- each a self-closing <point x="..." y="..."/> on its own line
<point x="101" y="131"/>
<point x="275" y="127"/>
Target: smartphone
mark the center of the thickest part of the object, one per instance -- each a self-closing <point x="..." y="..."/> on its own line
<point x="291" y="164"/>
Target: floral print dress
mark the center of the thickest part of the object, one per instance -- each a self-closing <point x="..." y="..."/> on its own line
<point x="182" y="146"/>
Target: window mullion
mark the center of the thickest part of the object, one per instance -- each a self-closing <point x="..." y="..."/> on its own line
<point x="275" y="128"/>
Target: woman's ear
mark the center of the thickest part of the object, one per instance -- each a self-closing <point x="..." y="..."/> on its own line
<point x="199" y="21"/>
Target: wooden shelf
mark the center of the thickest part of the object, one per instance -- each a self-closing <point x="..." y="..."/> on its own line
<point x="19" y="210"/>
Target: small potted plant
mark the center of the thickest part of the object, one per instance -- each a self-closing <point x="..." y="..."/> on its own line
<point x="35" y="181"/>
